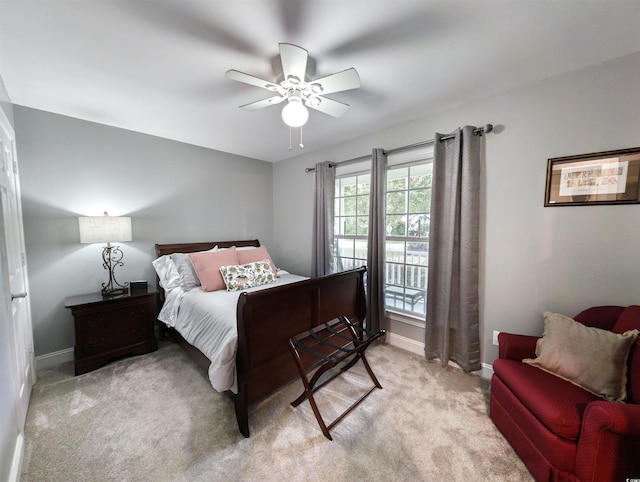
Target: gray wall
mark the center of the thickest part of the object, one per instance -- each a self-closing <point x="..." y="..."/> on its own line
<point x="532" y="258"/>
<point x="174" y="192"/>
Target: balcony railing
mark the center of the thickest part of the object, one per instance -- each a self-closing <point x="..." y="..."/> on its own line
<point x="405" y="278"/>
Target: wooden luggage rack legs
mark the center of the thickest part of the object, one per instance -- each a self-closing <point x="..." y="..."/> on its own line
<point x="327" y="346"/>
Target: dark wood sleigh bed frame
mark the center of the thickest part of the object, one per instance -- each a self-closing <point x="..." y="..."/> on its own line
<point x="268" y="318"/>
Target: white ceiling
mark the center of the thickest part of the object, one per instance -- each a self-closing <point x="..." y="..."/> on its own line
<point x="158" y="67"/>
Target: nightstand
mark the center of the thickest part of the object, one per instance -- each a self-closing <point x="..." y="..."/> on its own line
<point x="112" y="327"/>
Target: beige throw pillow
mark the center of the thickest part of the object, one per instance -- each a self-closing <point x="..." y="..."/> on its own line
<point x="591" y="358"/>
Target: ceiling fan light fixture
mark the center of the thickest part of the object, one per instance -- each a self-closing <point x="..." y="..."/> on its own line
<point x="297" y="86"/>
<point x="294" y="113"/>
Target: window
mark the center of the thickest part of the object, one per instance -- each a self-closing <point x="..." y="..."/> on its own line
<point x="407" y="242"/>
<point x="351" y="220"/>
<point x="408" y="203"/>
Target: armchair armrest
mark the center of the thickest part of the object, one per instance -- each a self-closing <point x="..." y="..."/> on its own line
<point x="516" y="347"/>
<point x="609" y="442"/>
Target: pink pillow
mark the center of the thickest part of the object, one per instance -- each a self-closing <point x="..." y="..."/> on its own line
<point x="207" y="266"/>
<point x="258" y="254"/>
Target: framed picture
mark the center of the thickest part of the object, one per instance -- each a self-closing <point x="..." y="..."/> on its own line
<point x="600" y="178"/>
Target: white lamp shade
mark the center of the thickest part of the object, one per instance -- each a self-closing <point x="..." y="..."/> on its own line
<point x="295" y="114"/>
<point x="104" y="229"/>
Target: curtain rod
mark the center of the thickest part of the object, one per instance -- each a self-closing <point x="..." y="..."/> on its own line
<point x="477" y="131"/>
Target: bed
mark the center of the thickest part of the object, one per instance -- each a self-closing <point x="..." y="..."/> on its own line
<point x="265" y="318"/>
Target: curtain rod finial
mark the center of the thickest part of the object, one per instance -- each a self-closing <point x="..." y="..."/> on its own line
<point x="488" y="128"/>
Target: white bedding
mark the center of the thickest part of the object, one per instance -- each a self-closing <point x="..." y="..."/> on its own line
<point x="207" y="320"/>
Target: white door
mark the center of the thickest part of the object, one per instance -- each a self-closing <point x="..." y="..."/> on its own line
<point x="13" y="269"/>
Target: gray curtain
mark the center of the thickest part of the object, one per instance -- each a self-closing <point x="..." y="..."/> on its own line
<point x="452" y="322"/>
<point x="323" y="207"/>
<point x="376" y="241"/>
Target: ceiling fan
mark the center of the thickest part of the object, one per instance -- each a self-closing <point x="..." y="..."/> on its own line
<point x="299" y="91"/>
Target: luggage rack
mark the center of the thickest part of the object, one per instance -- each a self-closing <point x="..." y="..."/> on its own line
<point x="326" y="346"/>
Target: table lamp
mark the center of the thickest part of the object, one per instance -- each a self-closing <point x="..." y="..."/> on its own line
<point x="107" y="229"/>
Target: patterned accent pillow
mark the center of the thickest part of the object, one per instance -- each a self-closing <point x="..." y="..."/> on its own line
<point x="243" y="276"/>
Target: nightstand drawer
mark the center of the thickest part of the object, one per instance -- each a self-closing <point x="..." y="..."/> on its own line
<point x="114" y="328"/>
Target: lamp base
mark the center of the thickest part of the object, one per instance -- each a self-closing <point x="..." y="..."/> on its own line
<point x="112" y="258"/>
<point x="114" y="292"/>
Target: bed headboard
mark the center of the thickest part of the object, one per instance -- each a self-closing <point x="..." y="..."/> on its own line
<point x="162" y="249"/>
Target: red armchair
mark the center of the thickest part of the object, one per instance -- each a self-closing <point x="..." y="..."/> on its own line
<point x="559" y="430"/>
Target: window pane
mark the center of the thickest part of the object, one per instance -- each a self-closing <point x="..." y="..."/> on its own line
<point x="416" y="277"/>
<point x="364" y="183"/>
<point x="349" y="206"/>
<point x="420" y="201"/>
<point x="347" y="186"/>
<point x="394" y="297"/>
<point x="397" y="179"/>
<point x="363" y="205"/>
<point x="396" y="225"/>
<point x="363" y="226"/>
<point x="394" y="274"/>
<point x="345" y="248"/>
<point x="418" y="226"/>
<point x="345" y="263"/>
<point x="394" y="251"/>
<point x="397" y="202"/>
<point x="361" y="249"/>
<point x="421" y="176"/>
<point x="418" y="253"/>
<point x="349" y="226"/>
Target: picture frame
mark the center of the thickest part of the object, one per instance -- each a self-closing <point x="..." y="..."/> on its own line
<point x="609" y="177"/>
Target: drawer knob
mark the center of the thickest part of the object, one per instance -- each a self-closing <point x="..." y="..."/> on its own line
<point x="95" y="321"/>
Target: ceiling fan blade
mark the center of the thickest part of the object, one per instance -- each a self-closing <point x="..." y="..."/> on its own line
<point x="252" y="80"/>
<point x="260" y="104"/>
<point x="294" y="61"/>
<point x="327" y="106"/>
<point x="345" y="80"/>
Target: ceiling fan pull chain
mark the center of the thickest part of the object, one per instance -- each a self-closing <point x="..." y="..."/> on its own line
<point x="301" y="144"/>
<point x="289" y="139"/>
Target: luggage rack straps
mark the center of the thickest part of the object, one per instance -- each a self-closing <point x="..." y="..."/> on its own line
<point x="320" y="342"/>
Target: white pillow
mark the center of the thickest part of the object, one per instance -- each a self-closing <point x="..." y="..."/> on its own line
<point x="245" y="248"/>
<point x="167" y="272"/>
<point x="187" y="277"/>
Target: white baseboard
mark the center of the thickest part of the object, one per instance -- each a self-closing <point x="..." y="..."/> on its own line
<point x="55" y="358"/>
<point x="417" y="348"/>
<point x="16" y="463"/>
<point x="405" y="343"/>
<point x="487" y="371"/>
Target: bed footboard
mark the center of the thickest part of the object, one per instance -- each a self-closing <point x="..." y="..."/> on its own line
<point x="268" y="318"/>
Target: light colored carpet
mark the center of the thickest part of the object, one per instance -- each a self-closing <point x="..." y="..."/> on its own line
<point x="156" y="418"/>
